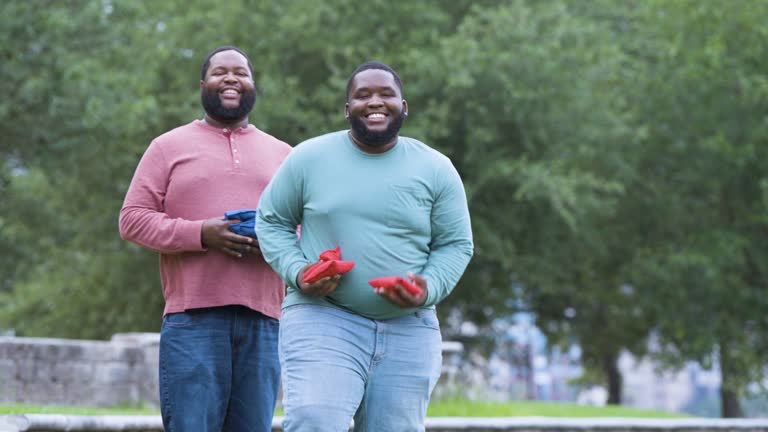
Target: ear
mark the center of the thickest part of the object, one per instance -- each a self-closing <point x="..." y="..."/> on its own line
<point x="202" y="83"/>
<point x="346" y="110"/>
<point x="405" y="107"/>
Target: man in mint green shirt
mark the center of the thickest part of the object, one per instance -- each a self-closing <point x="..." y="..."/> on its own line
<point x="395" y="207"/>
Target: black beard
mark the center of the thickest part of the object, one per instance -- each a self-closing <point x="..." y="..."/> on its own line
<point x="376" y="139"/>
<point x="212" y="105"/>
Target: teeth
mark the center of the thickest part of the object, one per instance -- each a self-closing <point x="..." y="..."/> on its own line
<point x="230" y="92"/>
<point x="376" y="116"/>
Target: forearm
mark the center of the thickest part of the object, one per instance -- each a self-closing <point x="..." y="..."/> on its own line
<point x="452" y="245"/>
<point x="143" y="218"/>
<point x="157" y="231"/>
<point x="444" y="269"/>
<point x="280" y="211"/>
<point x="279" y="246"/>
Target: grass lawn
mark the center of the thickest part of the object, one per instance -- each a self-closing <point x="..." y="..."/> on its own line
<point x="62" y="409"/>
<point x="463" y="408"/>
<point x="456" y="408"/>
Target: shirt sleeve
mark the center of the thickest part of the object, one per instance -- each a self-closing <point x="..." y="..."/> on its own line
<point x="280" y="211"/>
<point x="452" y="246"/>
<point x="143" y="219"/>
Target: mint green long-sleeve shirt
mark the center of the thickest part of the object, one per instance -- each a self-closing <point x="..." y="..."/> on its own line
<point x="401" y="211"/>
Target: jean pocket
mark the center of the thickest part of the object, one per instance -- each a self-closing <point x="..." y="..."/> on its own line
<point x="179" y="319"/>
<point x="429" y="318"/>
<point x="290" y="311"/>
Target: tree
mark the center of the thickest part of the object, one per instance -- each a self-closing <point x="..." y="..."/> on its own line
<point x="701" y="95"/>
<point x="526" y="99"/>
<point x="105" y="78"/>
<point x="613" y="154"/>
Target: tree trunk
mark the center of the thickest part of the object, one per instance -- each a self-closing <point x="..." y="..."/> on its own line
<point x="729" y="398"/>
<point x="731" y="407"/>
<point x="530" y="383"/>
<point x="612" y="373"/>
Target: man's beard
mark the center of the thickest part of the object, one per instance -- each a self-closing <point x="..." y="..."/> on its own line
<point x="376" y="139"/>
<point x="212" y="105"/>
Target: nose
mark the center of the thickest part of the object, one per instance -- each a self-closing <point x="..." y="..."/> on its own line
<point x="375" y="101"/>
<point x="230" y="77"/>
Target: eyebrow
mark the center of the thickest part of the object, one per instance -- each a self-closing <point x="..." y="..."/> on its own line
<point x="225" y="68"/>
<point x="373" y="88"/>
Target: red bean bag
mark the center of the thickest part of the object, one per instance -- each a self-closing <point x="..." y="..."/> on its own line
<point x="330" y="264"/>
<point x="331" y="254"/>
<point x="389" y="282"/>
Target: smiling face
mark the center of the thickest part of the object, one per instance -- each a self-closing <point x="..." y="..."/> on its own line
<point x="375" y="110"/>
<point x="227" y="92"/>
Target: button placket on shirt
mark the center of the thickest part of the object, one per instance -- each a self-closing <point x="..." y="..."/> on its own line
<point x="234" y="152"/>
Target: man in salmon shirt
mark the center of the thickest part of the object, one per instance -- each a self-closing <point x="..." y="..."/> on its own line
<point x="219" y="369"/>
<point x="364" y="344"/>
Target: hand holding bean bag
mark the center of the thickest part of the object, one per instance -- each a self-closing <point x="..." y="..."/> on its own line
<point x="389" y="282"/>
<point x="330" y="264"/>
<point x="247" y="224"/>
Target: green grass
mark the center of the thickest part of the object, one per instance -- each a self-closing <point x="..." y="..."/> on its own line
<point x="455" y="408"/>
<point x="464" y="408"/>
<point x="62" y="409"/>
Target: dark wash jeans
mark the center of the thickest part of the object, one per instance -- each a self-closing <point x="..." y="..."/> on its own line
<point x="219" y="370"/>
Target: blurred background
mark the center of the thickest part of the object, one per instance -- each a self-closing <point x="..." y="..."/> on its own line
<point x="613" y="154"/>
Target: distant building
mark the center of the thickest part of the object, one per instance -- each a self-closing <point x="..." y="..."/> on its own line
<point x="522" y="366"/>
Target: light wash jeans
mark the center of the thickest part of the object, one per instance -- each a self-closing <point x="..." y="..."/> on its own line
<point x="219" y="370"/>
<point x="336" y="366"/>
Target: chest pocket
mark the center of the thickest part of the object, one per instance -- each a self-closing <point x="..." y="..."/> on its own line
<point x="409" y="208"/>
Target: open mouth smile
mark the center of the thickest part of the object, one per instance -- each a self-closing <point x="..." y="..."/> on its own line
<point x="376" y="117"/>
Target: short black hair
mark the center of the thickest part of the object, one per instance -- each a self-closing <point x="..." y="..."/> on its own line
<point x="373" y="65"/>
<point x="207" y="62"/>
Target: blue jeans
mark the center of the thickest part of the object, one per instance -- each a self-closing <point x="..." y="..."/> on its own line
<point x="337" y="366"/>
<point x="219" y="370"/>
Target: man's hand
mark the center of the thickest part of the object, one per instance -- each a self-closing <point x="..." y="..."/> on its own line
<point x="321" y="288"/>
<point x="215" y="234"/>
<point x="401" y="297"/>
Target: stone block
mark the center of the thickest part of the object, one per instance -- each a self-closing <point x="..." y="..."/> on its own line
<point x="81" y="372"/>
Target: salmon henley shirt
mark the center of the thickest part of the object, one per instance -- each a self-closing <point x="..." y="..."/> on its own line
<point x="190" y="174"/>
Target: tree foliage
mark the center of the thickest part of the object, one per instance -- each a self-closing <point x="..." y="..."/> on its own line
<point x="613" y="154"/>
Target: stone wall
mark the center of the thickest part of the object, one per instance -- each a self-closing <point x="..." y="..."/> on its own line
<point x="122" y="371"/>
<point x="119" y="372"/>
